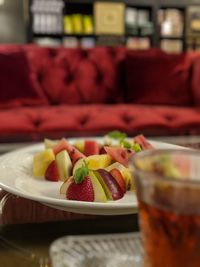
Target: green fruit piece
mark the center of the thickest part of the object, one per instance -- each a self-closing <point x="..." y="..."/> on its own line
<point x="48" y="143"/>
<point x="99" y="193"/>
<point x="64" y="164"/>
<point x="65" y="185"/>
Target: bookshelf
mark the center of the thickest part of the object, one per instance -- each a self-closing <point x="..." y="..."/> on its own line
<point x="137" y="24"/>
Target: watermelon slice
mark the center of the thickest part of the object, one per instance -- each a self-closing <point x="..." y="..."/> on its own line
<point x="91" y="147"/>
<point x="142" y="141"/>
<point x="119" y="154"/>
<point x="73" y="152"/>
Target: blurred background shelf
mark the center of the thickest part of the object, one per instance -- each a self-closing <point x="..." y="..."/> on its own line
<point x="137" y="24"/>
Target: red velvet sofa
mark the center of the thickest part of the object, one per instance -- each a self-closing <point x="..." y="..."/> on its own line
<point x="46" y="92"/>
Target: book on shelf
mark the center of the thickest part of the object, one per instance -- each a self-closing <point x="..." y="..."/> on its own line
<point x="74" y="42"/>
<point x="171" y="46"/>
<point x="110" y="41"/>
<point x="143" y="17"/>
<point x="78" y="24"/>
<point x="70" y="42"/>
<point x="193" y="21"/>
<point x="137" y="22"/>
<point x="131" y="21"/>
<point x="88" y="24"/>
<point x="171" y="22"/>
<point x="47" y="42"/>
<point x="147" y="29"/>
<point x="87" y="42"/>
<point x="47" y="16"/>
<point x="138" y="43"/>
<point x="68" y="24"/>
<point x="193" y="43"/>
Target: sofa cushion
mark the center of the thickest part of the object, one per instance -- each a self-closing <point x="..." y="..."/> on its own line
<point x="17" y="86"/>
<point x="77" y="76"/>
<point x="88" y="120"/>
<point x="155" y="77"/>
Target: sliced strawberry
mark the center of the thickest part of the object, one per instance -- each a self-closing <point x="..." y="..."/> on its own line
<point x="119" y="154"/>
<point x="82" y="191"/>
<point x="119" y="178"/>
<point x="142" y="141"/>
<point x="52" y="173"/>
<point x="73" y="152"/>
<point x="91" y="147"/>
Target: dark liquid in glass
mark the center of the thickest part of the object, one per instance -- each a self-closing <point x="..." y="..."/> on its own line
<point x="170" y="239"/>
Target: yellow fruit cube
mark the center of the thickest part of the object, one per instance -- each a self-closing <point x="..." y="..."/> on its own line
<point x="41" y="161"/>
<point x="79" y="145"/>
<point x="94" y="162"/>
<point x="128" y="179"/>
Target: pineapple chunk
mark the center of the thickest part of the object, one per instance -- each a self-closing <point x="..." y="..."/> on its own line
<point x="94" y="162"/>
<point x="79" y="145"/>
<point x="41" y="161"/>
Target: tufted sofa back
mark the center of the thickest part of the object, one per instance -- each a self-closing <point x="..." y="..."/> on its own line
<point x="32" y="75"/>
<point x="77" y="76"/>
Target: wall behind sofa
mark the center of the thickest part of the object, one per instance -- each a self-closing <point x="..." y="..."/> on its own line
<point x="12" y="24"/>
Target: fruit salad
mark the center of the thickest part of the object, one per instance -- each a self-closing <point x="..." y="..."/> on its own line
<point x="90" y="170"/>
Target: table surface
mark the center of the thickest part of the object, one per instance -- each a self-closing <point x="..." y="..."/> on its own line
<point x="28" y="244"/>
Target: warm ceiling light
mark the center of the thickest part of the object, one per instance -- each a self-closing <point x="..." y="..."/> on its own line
<point x="1" y="2"/>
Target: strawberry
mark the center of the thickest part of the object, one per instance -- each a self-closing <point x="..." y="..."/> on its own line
<point x="81" y="187"/>
<point x="82" y="191"/>
<point x="52" y="173"/>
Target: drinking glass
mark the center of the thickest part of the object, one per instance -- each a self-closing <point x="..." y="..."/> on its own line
<point x="168" y="192"/>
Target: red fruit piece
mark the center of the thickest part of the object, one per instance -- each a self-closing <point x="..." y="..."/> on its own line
<point x="73" y="152"/>
<point x="119" y="178"/>
<point x="110" y="185"/>
<point x="52" y="173"/>
<point x="82" y="192"/>
<point x="91" y="147"/>
<point x="142" y="141"/>
<point x="119" y="154"/>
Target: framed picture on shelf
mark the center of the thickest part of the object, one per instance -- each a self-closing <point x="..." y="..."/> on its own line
<point x="193" y="21"/>
<point x="109" y="18"/>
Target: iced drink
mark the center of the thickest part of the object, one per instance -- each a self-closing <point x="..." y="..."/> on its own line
<point x="168" y="192"/>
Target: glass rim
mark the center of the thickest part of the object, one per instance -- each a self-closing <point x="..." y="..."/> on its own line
<point x="147" y="153"/>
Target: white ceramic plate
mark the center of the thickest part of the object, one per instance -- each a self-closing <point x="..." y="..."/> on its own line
<point x="16" y="178"/>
